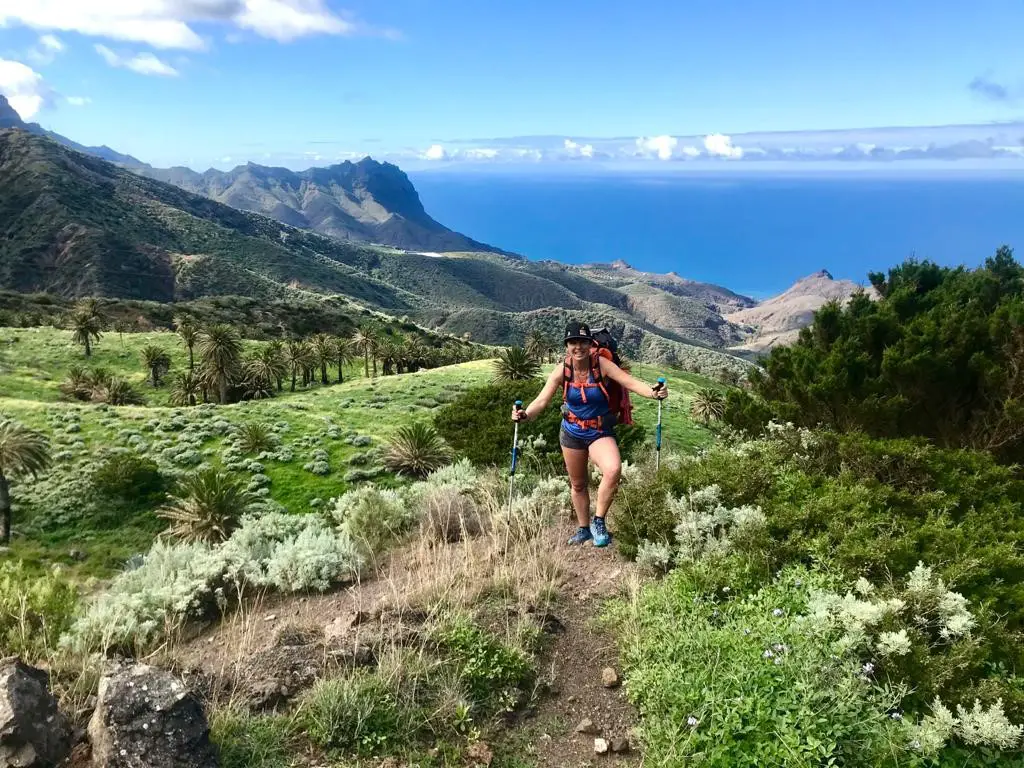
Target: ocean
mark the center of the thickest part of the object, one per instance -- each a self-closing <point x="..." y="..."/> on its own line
<point x="752" y="233"/>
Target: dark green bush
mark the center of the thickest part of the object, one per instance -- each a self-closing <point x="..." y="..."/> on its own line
<point x="938" y="356"/>
<point x="130" y="480"/>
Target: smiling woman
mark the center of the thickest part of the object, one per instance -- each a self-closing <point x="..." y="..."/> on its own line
<point x="592" y="386"/>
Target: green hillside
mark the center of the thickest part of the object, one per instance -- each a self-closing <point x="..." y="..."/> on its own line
<point x="74" y="225"/>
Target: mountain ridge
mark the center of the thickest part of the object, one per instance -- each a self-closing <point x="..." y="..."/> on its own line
<point x="777" y="321"/>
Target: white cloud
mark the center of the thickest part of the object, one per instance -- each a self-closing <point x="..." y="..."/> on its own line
<point x="24" y="88"/>
<point x="721" y="146"/>
<point x="285" y="20"/>
<point x="436" y="152"/>
<point x="144" y="63"/>
<point x="662" y="146"/>
<point x="170" y="23"/>
<point x="226" y="159"/>
<point x="51" y="43"/>
<point x="578" y="150"/>
<point x="78" y="101"/>
<point x="481" y="153"/>
<point x="45" y="50"/>
<point x="691" y="151"/>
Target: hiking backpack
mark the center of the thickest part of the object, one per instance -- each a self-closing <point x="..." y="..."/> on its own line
<point x="604" y="345"/>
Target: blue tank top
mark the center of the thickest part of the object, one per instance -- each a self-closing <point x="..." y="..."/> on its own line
<point x="595" y="407"/>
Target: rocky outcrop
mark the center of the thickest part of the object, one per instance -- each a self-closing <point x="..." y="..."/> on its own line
<point x="777" y="321"/>
<point x="33" y="733"/>
<point x="147" y="718"/>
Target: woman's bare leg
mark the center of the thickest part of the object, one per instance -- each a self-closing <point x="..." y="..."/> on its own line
<point x="605" y="454"/>
<point x="576" y="466"/>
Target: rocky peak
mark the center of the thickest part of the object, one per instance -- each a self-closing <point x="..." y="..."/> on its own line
<point x="9" y="117"/>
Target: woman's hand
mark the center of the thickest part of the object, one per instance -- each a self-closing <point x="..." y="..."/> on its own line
<point x="660" y="390"/>
<point x="519" y="414"/>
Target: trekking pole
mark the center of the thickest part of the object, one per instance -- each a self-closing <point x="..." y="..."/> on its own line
<point x="657" y="434"/>
<point x="515" y="455"/>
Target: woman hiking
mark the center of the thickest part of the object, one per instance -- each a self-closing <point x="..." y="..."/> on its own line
<point x="587" y="424"/>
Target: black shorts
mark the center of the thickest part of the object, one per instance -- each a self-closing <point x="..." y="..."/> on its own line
<point x="580" y="443"/>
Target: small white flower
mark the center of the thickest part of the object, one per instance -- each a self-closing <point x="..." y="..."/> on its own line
<point x="767" y="654"/>
<point x="777" y="612"/>
<point x="868" y="668"/>
<point x="692" y="721"/>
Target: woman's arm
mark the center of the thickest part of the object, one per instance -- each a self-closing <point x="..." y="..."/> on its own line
<point x="616" y="374"/>
<point x="540" y="402"/>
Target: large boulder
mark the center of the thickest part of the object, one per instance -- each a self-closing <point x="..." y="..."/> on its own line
<point x="147" y="718"/>
<point x="33" y="733"/>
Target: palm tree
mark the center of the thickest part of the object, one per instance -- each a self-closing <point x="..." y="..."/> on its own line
<point x="157" y="361"/>
<point x="273" y="356"/>
<point x="514" y="364"/>
<point x="86" y="326"/>
<point x="416" y="353"/>
<point x="390" y="356"/>
<point x="342" y="355"/>
<point x="254" y="437"/>
<point x="220" y="351"/>
<point x="186" y="389"/>
<point x="708" y="405"/>
<point x="207" y="507"/>
<point x="323" y="351"/>
<point x="296" y="358"/>
<point x="537" y="345"/>
<point x="122" y="327"/>
<point x="365" y="343"/>
<point x="416" y="450"/>
<point x="22" y="452"/>
<point x="78" y="384"/>
<point x="261" y="372"/>
<point x="118" y="392"/>
<point x="189" y="333"/>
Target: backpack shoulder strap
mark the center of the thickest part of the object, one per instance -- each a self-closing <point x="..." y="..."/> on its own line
<point x="595" y="372"/>
<point x="566" y="378"/>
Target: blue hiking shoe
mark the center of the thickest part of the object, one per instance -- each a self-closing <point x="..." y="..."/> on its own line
<point x="600" y="533"/>
<point x="581" y="535"/>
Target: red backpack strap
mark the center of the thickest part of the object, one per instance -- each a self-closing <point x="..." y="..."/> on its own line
<point x="595" y="372"/>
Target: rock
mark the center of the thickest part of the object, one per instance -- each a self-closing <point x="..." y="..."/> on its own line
<point x="609" y="677"/>
<point x="620" y="746"/>
<point x="33" y="732"/>
<point x="601" y="746"/>
<point x="480" y="754"/>
<point x="146" y="718"/>
<point x="340" y="625"/>
<point x="587" y="727"/>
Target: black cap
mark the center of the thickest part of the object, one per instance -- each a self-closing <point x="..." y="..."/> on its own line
<point x="575" y="331"/>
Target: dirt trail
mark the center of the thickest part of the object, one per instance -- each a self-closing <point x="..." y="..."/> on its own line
<point x="576" y="660"/>
<point x="572" y="662"/>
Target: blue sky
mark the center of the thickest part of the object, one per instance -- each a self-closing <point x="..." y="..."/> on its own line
<point x="304" y="82"/>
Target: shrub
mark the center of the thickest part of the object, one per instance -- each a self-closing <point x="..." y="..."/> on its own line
<point x="174" y="582"/>
<point x="491" y="671"/>
<point x="416" y="450"/>
<point x="252" y="741"/>
<point x="34" y="610"/>
<point x="778" y="693"/>
<point x="515" y="364"/>
<point x="478" y="426"/>
<point x="313" y="559"/>
<point x="129" y="479"/>
<point x="373" y="517"/>
<point x="447" y="513"/>
<point x="359" y="713"/>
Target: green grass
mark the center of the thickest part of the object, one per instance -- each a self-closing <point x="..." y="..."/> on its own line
<point x="32" y="367"/>
<point x="34" y="361"/>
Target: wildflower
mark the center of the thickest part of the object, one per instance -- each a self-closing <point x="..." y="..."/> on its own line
<point x="746" y="631"/>
<point x="778" y="660"/>
<point x="777" y="612"/>
<point x="692" y="721"/>
<point x="768" y="654"/>
<point x="894" y="643"/>
<point x="896" y="715"/>
<point x="868" y="668"/>
<point x="725" y="589"/>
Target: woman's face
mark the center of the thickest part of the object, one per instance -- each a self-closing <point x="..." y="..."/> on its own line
<point x="578" y="349"/>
